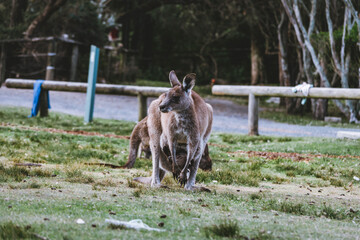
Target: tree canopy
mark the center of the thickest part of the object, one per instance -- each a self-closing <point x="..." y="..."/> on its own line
<point x="278" y="42"/>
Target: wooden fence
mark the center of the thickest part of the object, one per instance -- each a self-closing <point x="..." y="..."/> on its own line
<point x="254" y="92"/>
<point x="141" y="92"/>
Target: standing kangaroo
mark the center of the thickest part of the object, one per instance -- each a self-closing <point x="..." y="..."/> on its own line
<point x="179" y="116"/>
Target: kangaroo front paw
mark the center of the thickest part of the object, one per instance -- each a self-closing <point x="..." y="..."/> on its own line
<point x="182" y="178"/>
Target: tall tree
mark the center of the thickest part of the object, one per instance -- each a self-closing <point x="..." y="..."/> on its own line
<point x="293" y="11"/>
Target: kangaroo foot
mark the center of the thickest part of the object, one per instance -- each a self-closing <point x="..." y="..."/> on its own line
<point x="144" y="180"/>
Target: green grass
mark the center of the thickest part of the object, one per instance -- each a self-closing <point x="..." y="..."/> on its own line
<point x="11" y="231"/>
<point x="279" y="115"/>
<point x="225" y="228"/>
<point x="253" y="196"/>
<point x="17" y="174"/>
<point x="18" y="116"/>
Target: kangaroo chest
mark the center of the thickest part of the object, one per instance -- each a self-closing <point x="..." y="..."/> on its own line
<point x="181" y="127"/>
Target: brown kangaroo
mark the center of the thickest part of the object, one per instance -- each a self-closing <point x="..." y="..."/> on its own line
<point x="179" y="116"/>
<point x="140" y="138"/>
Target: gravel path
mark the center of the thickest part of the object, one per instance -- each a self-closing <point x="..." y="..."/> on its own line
<point x="228" y="116"/>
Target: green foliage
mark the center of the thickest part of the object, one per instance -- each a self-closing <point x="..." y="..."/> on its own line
<point x="80" y="20"/>
<point x="208" y="33"/>
<point x="321" y="42"/>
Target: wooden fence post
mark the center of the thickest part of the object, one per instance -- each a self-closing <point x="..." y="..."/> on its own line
<point x="92" y="76"/>
<point x="50" y="73"/>
<point x="253" y="115"/>
<point x="142" y="101"/>
<point x="74" y="62"/>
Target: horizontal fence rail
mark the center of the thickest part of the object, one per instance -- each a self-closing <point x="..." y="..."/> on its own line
<point x="264" y="91"/>
<point x="253" y="92"/>
<point x="141" y="91"/>
<point x="81" y="87"/>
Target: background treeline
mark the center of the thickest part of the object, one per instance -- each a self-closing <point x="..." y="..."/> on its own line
<point x="277" y="42"/>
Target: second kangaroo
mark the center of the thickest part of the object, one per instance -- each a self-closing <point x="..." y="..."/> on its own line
<point x="139" y="140"/>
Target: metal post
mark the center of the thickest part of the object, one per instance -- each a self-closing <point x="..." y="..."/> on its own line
<point x="92" y="76"/>
<point x="142" y="101"/>
<point x="253" y="115"/>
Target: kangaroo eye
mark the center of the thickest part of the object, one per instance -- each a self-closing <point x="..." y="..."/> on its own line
<point x="176" y="99"/>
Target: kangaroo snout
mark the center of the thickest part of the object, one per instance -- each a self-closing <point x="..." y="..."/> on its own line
<point x="164" y="109"/>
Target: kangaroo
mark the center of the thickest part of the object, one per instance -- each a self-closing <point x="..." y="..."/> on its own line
<point x="139" y="136"/>
<point x="179" y="116"/>
<point x="140" y="139"/>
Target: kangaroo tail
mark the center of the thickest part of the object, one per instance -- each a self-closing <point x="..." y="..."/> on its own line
<point x="135" y="141"/>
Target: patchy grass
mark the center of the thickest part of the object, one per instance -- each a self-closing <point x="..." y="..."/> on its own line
<point x="258" y="191"/>
<point x="226" y="228"/>
<point x="17" y="174"/>
<point x="10" y="231"/>
<point x="26" y="185"/>
<point x="310" y="209"/>
<point x="18" y="116"/>
<point x="14" y="173"/>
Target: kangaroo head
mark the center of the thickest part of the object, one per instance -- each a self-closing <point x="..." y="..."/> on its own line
<point x="178" y="98"/>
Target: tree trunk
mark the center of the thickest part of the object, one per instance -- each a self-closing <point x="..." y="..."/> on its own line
<point x="319" y="106"/>
<point x="302" y="35"/>
<point x="51" y="7"/>
<point x="18" y="8"/>
<point x="284" y="75"/>
<point x="257" y="66"/>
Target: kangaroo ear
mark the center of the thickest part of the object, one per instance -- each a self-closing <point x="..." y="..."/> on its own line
<point x="174" y="81"/>
<point x="189" y="82"/>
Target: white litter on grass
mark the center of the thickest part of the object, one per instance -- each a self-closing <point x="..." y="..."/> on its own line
<point x="356" y="178"/>
<point x="80" y="221"/>
<point x="134" y="224"/>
